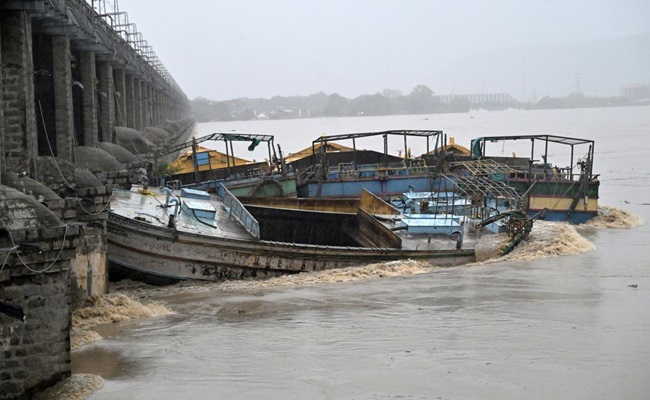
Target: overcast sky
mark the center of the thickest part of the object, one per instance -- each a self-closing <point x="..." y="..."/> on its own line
<point x="228" y="49"/>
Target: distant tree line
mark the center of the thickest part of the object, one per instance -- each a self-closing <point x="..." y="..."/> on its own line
<point x="420" y="100"/>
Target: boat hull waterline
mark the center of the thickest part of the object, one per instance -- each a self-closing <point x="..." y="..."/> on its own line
<point x="169" y="253"/>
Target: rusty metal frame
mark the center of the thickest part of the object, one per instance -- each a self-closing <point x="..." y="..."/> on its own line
<point x="484" y="167"/>
<point x="484" y="187"/>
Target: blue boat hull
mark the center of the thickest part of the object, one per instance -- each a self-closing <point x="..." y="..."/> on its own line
<point x="578" y="217"/>
<point x="393" y="186"/>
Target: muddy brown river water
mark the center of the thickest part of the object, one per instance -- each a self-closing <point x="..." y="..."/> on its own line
<point x="565" y="316"/>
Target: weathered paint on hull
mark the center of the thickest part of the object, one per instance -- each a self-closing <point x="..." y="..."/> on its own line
<point x="565" y="188"/>
<point x="168" y="253"/>
<point x="267" y="188"/>
<point x="393" y="186"/>
<point x="561" y="203"/>
<point x="578" y="217"/>
<point x="557" y="196"/>
<point x="254" y="187"/>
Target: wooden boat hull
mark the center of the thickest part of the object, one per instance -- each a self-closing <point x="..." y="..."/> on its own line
<point x="168" y="253"/>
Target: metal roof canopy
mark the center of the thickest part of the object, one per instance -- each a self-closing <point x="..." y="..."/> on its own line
<point x="227" y="137"/>
<point x="353" y="136"/>
<point x="564" y="140"/>
<point x="238" y="137"/>
<point x="550" y="138"/>
<point x="420" y="133"/>
<point x="471" y="185"/>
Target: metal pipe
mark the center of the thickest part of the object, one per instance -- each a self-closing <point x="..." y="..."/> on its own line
<point x="571" y="165"/>
<point x="227" y="156"/>
<point x="546" y="153"/>
<point x="385" y="150"/>
<point x="532" y="157"/>
<point x="591" y="158"/>
<point x="354" y="154"/>
<point x="196" y="162"/>
<point x="169" y="193"/>
<point x="232" y="152"/>
<point x="176" y="204"/>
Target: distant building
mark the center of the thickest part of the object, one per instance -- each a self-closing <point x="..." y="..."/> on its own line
<point x="479" y="100"/>
<point x="283" y="113"/>
<point x="636" y="92"/>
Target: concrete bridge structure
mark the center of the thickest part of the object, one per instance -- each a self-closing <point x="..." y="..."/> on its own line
<point x="69" y="76"/>
<point x="78" y="81"/>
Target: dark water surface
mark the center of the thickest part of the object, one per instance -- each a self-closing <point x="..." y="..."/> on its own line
<point x="567" y="326"/>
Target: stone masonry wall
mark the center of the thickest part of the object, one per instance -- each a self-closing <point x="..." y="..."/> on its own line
<point x="2" y="114"/>
<point x="90" y="265"/>
<point x="35" y="353"/>
<point x="19" y="145"/>
<point x="62" y="77"/>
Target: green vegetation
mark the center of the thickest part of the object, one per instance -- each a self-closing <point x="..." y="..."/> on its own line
<point x="420" y="100"/>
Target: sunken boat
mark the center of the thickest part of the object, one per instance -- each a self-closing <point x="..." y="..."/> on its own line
<point x="192" y="234"/>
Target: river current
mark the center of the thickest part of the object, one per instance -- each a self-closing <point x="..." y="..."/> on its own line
<point x="566" y="315"/>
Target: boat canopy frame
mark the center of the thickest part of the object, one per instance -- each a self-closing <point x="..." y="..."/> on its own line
<point x="227" y="138"/>
<point x="481" y="186"/>
<point x="478" y="147"/>
<point x="484" y="167"/>
<point x="385" y="134"/>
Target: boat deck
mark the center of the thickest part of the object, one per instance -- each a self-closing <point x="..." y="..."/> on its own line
<point x="150" y="208"/>
<point x="432" y="241"/>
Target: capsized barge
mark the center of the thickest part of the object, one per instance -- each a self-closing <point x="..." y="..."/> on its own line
<point x="214" y="237"/>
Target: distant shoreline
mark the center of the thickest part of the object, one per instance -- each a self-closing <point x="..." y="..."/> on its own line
<point x="527" y="107"/>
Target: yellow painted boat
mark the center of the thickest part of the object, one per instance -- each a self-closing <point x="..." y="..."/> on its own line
<point x="208" y="160"/>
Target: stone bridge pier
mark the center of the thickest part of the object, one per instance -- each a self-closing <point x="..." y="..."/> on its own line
<point x="75" y="85"/>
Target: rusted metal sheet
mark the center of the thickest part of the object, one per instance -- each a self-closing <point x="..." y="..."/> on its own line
<point x="332" y="205"/>
<point x="374" y="233"/>
<point x="374" y="205"/>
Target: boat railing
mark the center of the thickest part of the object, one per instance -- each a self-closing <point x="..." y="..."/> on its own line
<point x="348" y="170"/>
<point x="236" y="209"/>
<point x="555" y="174"/>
